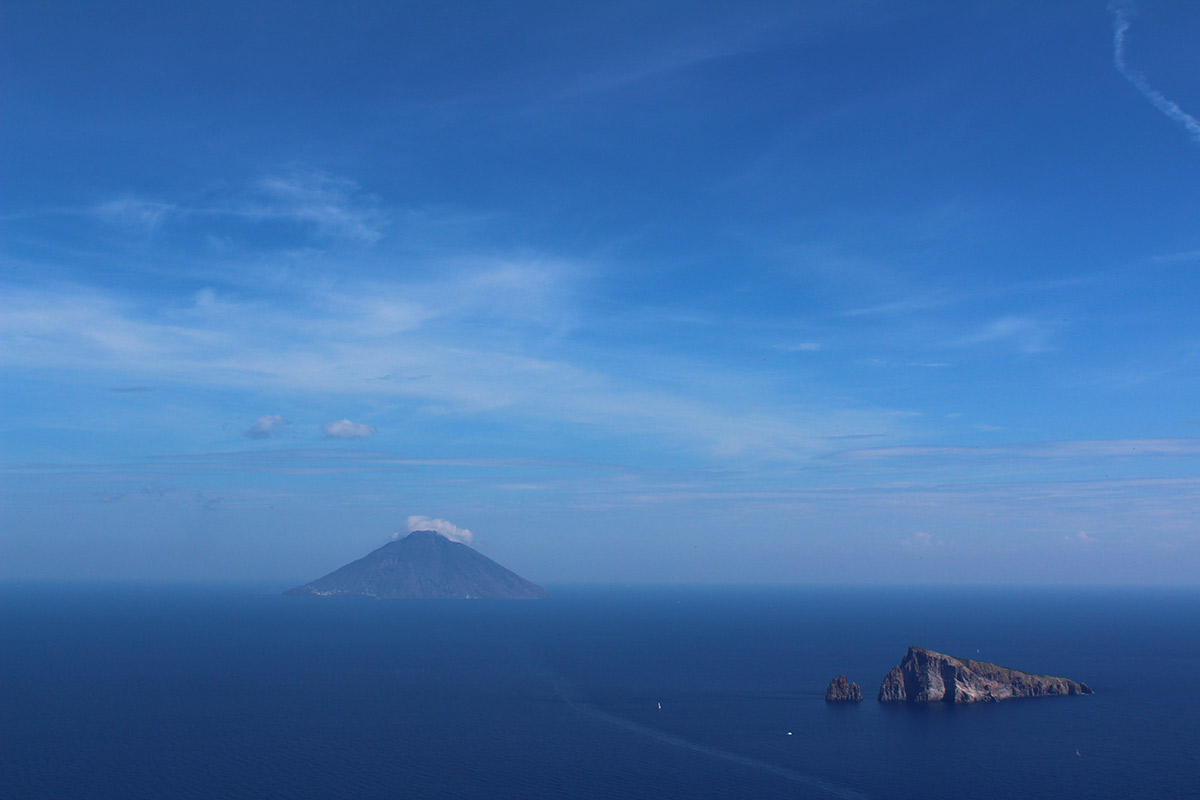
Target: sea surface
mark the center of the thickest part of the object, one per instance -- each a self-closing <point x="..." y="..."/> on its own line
<point x="235" y="692"/>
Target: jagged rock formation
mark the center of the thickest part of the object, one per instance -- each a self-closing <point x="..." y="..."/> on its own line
<point x="423" y="564"/>
<point x="928" y="677"/>
<point x="842" y="691"/>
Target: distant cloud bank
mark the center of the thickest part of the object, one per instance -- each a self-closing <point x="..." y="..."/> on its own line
<point x="444" y="527"/>
<point x="1113" y="448"/>
<point x="345" y="429"/>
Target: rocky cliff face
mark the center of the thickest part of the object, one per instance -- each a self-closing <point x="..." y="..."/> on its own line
<point x="892" y="689"/>
<point x="928" y="677"/>
<point x="842" y="691"/>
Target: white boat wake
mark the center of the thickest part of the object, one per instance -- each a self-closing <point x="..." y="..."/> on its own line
<point x="830" y="789"/>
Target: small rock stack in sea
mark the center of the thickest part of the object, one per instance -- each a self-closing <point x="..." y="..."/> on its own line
<point x="842" y="691"/>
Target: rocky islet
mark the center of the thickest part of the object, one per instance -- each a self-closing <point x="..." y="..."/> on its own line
<point x="925" y="676"/>
<point x="841" y="690"/>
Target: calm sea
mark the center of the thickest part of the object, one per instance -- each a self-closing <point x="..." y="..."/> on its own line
<point x="237" y="693"/>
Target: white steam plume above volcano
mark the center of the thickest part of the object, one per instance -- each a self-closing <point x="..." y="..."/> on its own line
<point x="444" y="527"/>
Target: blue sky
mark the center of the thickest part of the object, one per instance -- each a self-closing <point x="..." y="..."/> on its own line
<point x="853" y="292"/>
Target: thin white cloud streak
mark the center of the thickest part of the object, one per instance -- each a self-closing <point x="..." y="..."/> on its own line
<point x="1027" y="335"/>
<point x="663" y="63"/>
<point x="652" y="52"/>
<point x="908" y="305"/>
<point x="446" y="528"/>
<point x="919" y="493"/>
<point x="1173" y="258"/>
<point x="345" y="429"/>
<point x="625" y="486"/>
<point x="1123" y="13"/>
<point x="1084" y="449"/>
<point x="134" y="213"/>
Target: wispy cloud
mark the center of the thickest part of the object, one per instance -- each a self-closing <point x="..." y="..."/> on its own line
<point x="906" y="305"/>
<point x="134" y="213"/>
<point x="345" y="429"/>
<point x="659" y="53"/>
<point x="331" y="206"/>
<point x="336" y="206"/>
<point x="1123" y="12"/>
<point x="1026" y="334"/>
<point x="1187" y="257"/>
<point x="663" y="62"/>
<point x="267" y="426"/>
<point x="483" y="341"/>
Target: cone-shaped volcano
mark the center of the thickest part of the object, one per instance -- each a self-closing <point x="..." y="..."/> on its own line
<point x="423" y="564"/>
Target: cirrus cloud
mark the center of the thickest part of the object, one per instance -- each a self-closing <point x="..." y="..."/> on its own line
<point x="345" y="429"/>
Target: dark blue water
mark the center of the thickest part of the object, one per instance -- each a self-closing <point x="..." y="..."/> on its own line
<point x="152" y="693"/>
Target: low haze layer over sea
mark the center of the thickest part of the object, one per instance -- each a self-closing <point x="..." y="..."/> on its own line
<point x="151" y="692"/>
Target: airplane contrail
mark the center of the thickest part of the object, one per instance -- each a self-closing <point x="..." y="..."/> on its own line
<point x="1123" y="14"/>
